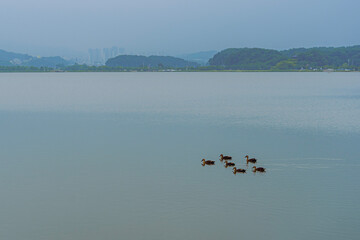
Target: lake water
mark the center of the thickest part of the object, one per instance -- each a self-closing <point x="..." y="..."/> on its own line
<point x="88" y="156"/>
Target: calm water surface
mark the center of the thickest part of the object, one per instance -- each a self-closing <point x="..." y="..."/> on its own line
<point x="117" y="156"/>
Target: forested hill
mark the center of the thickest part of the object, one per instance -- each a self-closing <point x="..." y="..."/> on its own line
<point x="11" y="59"/>
<point x="134" y="61"/>
<point x="293" y="59"/>
<point x="333" y="57"/>
<point x="247" y="58"/>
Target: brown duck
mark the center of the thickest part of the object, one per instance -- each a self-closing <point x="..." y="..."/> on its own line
<point x="229" y="164"/>
<point x="259" y="169"/>
<point x="222" y="157"/>
<point x="207" y="162"/>
<point x="252" y="160"/>
<point x="239" y="170"/>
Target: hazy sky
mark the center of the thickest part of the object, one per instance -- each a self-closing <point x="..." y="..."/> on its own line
<point x="63" y="27"/>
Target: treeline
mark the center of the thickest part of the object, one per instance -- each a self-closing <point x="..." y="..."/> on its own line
<point x="104" y="68"/>
<point x="342" y="58"/>
<point x="245" y="59"/>
<point x="25" y="69"/>
<point x="86" y="68"/>
<point x="135" y="61"/>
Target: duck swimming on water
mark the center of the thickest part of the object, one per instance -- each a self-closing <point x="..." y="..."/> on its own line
<point x="229" y="164"/>
<point x="259" y="169"/>
<point x="252" y="160"/>
<point x="207" y="162"/>
<point x="239" y="170"/>
<point x="222" y="157"/>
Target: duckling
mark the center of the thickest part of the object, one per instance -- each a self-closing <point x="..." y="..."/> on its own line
<point x="207" y="162"/>
<point x="240" y="170"/>
<point x="229" y="164"/>
<point x="222" y="157"/>
<point x="252" y="160"/>
<point x="259" y="169"/>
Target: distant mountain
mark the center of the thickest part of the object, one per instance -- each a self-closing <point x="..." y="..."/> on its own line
<point x="199" y="57"/>
<point x="292" y="59"/>
<point x="11" y="59"/>
<point x="247" y="58"/>
<point x="17" y="59"/>
<point x="134" y="61"/>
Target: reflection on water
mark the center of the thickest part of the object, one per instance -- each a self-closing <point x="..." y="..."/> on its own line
<point x="109" y="156"/>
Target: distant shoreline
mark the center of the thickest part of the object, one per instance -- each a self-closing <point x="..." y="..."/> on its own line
<point x="177" y="71"/>
<point x="316" y="59"/>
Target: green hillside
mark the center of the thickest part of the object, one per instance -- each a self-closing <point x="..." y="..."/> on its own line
<point x="247" y="58"/>
<point x="11" y="59"/>
<point x="292" y="59"/>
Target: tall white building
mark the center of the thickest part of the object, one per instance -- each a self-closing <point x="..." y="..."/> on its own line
<point x="99" y="57"/>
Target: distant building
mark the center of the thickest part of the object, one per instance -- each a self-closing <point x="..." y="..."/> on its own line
<point x="98" y="57"/>
<point x="95" y="57"/>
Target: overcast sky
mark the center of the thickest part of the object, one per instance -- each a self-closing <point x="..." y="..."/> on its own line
<point x="170" y="27"/>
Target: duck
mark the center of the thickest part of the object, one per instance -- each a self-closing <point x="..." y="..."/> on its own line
<point x="252" y="160"/>
<point x="207" y="162"/>
<point x="259" y="169"/>
<point x="239" y="170"/>
<point x="222" y="157"/>
<point x="229" y="164"/>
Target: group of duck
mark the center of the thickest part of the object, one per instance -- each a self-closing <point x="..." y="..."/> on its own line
<point x="228" y="163"/>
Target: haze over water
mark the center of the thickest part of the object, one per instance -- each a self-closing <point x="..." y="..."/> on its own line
<point x="117" y="155"/>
